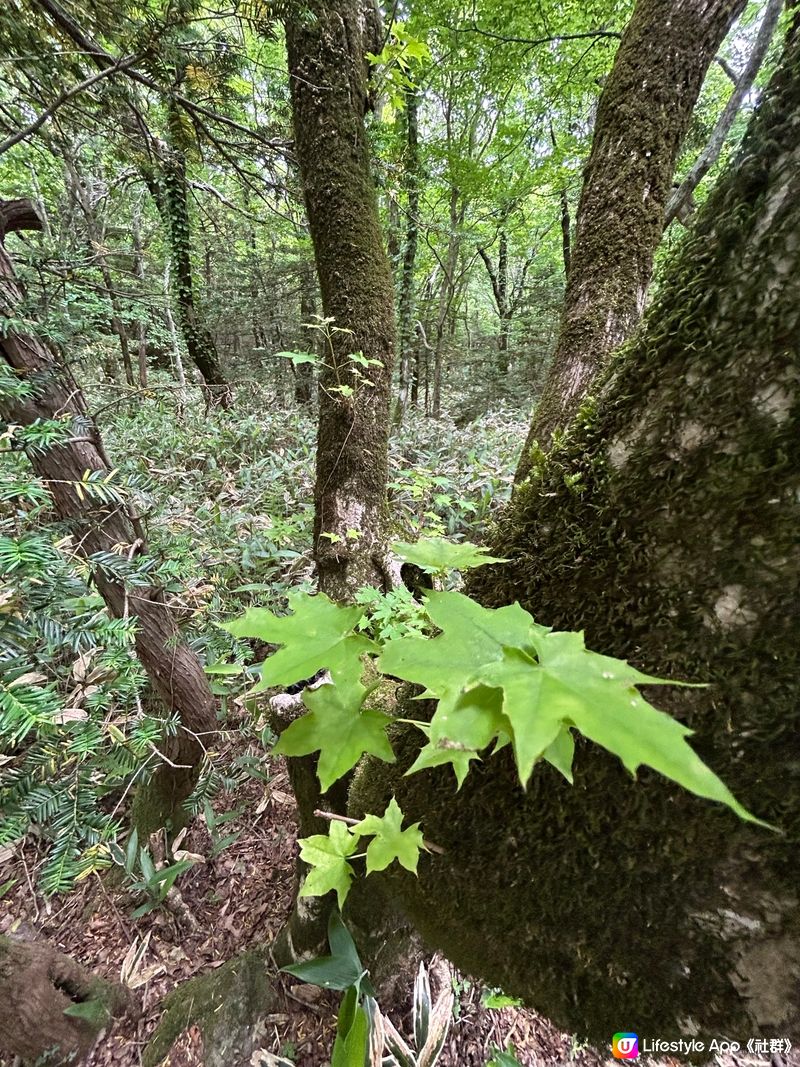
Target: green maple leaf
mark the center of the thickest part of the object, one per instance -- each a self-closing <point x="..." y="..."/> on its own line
<point x="607" y="709"/>
<point x="390" y="842"/>
<point x="339" y="728"/>
<point x="471" y="636"/>
<point x="318" y="635"/>
<point x="326" y="855"/>
<point x="439" y="755"/>
<point x="435" y="555"/>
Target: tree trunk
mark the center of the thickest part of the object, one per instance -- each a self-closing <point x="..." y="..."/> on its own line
<point x="406" y="301"/>
<point x="447" y="293"/>
<point x="173" y="669"/>
<point x="141" y="329"/>
<point x="642" y="117"/>
<point x="174" y="207"/>
<point x="328" y="74"/>
<point x="304" y="372"/>
<point x="37" y="985"/>
<point x="499" y="279"/>
<point x="666" y="526"/>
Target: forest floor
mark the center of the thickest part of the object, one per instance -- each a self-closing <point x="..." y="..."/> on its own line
<point x="240" y="898"/>
<point x="237" y="899"/>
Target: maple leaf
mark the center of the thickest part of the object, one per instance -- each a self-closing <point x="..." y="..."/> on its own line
<point x="326" y="855"/>
<point x="471" y="635"/>
<point x="339" y="728"/>
<point x="390" y="841"/>
<point x="435" y="555"/>
<point x="318" y="635"/>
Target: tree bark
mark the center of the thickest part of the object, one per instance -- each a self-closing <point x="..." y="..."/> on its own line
<point x="666" y="526"/>
<point x="304" y="372"/>
<point x="642" y="117"/>
<point x="173" y="669"/>
<point x="171" y="194"/>
<point x="141" y="329"/>
<point x="37" y="985"/>
<point x="328" y="75"/>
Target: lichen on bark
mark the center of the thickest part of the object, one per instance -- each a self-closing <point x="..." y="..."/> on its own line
<point x="678" y="552"/>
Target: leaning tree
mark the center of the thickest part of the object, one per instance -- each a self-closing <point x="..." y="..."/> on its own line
<point x="664" y="523"/>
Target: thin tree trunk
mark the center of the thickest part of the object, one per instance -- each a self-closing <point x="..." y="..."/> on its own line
<point x="680" y="203"/>
<point x="328" y="75"/>
<point x="566" y="245"/>
<point x="95" y="244"/>
<point x="406" y="307"/>
<point x="141" y="329"/>
<point x="446" y="297"/>
<point x="642" y="117"/>
<point x="499" y="279"/>
<point x="173" y="202"/>
<point x="173" y="669"/>
<point x="666" y="526"/>
<point x="177" y="358"/>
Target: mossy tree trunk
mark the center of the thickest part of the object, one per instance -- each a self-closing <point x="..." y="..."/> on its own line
<point x="642" y="117"/>
<point x="304" y="372"/>
<point x="665" y="525"/>
<point x="37" y="985"/>
<point x="172" y="199"/>
<point x="328" y="72"/>
<point x="174" y="670"/>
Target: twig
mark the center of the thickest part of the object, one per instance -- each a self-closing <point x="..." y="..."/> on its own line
<point x="38" y="122"/>
<point x="333" y="817"/>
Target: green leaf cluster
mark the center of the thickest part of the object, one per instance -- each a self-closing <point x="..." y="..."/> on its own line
<point x="329" y="855"/>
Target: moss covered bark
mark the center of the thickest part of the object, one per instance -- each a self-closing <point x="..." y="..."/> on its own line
<point x="665" y="525"/>
<point x="642" y="118"/>
<point x="329" y="85"/>
<point x="38" y="985"/>
<point x="228" y="1006"/>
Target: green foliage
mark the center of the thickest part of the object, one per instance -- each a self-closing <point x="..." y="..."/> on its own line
<point x="339" y="727"/>
<point x="317" y="635"/>
<point x="363" y="1034"/>
<point x="501" y="1058"/>
<point x="435" y="555"/>
<point x="329" y="855"/>
<point x="497" y="677"/>
<point x="143" y="877"/>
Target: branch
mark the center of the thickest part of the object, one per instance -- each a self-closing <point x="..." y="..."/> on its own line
<point x="492" y="276"/>
<point x="680" y="200"/>
<point x="103" y="58"/>
<point x="534" y="41"/>
<point x="38" y="122"/>
<point x="16" y="215"/>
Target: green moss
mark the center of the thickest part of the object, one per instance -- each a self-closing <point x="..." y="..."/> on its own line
<point x="226" y="1005"/>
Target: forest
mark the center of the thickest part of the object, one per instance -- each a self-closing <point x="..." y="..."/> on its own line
<point x="399" y="496"/>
